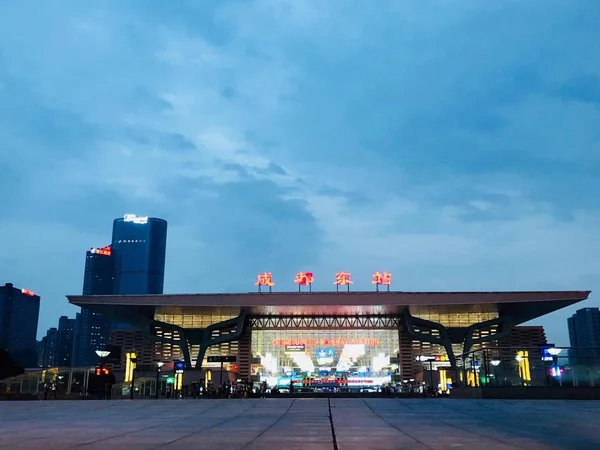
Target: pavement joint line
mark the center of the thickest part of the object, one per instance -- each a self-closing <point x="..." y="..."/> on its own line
<point x="394" y="426"/>
<point x="145" y="428"/>
<point x="271" y="426"/>
<point x="335" y="444"/>
<point x="210" y="427"/>
<point x="509" y="422"/>
<point x="472" y="432"/>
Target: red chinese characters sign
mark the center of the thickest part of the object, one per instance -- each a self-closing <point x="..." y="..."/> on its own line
<point x="304" y="278"/>
<point x="342" y="279"/>
<point x="382" y="279"/>
<point x="323" y="342"/>
<point x="264" y="279"/>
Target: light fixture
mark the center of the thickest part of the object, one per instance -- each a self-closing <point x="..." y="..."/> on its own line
<point x="554" y="351"/>
<point x="519" y="358"/>
<point x="102" y="353"/>
<point x="160" y="364"/>
<point x="495" y="362"/>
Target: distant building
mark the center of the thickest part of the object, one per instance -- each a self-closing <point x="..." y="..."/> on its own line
<point x="19" y="313"/>
<point x="525" y="337"/>
<point x="139" y="244"/>
<point x="50" y="348"/>
<point x="64" y="349"/>
<point x="91" y="330"/>
<point x="584" y="331"/>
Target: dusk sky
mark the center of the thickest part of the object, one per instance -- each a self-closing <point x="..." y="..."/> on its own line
<point x="455" y="144"/>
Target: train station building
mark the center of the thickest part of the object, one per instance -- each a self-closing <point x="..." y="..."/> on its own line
<point x="361" y="338"/>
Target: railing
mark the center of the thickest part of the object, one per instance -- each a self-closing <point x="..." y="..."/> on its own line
<point x="530" y="366"/>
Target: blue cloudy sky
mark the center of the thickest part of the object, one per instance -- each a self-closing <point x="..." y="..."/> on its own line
<point x="453" y="143"/>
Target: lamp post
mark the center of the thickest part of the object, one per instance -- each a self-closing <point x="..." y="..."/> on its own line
<point x="495" y="363"/>
<point x="520" y="359"/>
<point x="106" y="386"/>
<point x="159" y="364"/>
<point x="102" y="354"/>
<point x="133" y="360"/>
<point x="554" y="352"/>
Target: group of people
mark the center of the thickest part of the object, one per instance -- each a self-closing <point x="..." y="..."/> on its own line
<point x="50" y="390"/>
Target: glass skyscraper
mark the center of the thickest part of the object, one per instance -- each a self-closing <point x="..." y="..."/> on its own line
<point x="134" y="263"/>
<point x="139" y="245"/>
<point x="92" y="330"/>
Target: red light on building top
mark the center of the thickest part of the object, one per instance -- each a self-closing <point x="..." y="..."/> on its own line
<point x="342" y="279"/>
<point x="304" y="278"/>
<point x="27" y="292"/>
<point x="102" y="251"/>
<point x="264" y="279"/>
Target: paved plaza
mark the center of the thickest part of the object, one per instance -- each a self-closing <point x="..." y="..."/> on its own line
<point x="313" y="424"/>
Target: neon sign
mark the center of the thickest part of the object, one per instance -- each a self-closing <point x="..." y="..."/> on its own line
<point x="382" y="279"/>
<point x="264" y="279"/>
<point x="342" y="279"/>
<point x="27" y="292"/>
<point x="324" y="342"/>
<point x="304" y="279"/>
<point x="102" y="251"/>
<point x="135" y="219"/>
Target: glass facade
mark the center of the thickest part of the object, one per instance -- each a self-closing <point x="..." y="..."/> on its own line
<point x="140" y="249"/>
<point x="192" y="318"/>
<point x="363" y="359"/>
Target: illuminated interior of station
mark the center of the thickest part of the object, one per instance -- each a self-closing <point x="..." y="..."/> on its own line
<point x="360" y="358"/>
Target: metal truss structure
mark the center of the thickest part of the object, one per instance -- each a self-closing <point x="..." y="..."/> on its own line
<point x="324" y="322"/>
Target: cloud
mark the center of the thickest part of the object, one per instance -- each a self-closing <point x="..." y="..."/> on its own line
<point x="452" y="143"/>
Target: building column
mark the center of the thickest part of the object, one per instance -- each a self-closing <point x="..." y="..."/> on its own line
<point x="244" y="359"/>
<point x="238" y="326"/>
<point x="410" y="325"/>
<point x="405" y="354"/>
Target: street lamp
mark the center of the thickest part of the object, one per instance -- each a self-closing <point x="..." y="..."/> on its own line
<point x="159" y="364"/>
<point x="102" y="354"/>
<point x="133" y="360"/>
<point x="495" y="363"/>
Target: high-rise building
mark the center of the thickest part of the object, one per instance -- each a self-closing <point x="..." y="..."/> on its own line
<point x="19" y="313"/>
<point x="584" y="336"/>
<point x="64" y="349"/>
<point x="50" y="348"/>
<point x="139" y="244"/>
<point x="92" y="330"/>
<point x="140" y="247"/>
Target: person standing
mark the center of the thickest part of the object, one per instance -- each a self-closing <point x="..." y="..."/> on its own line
<point x="53" y="390"/>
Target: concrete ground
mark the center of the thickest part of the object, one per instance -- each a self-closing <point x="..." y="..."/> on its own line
<point x="312" y="424"/>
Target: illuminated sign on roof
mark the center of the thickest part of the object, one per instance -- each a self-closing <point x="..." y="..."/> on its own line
<point x="101" y="251"/>
<point x="135" y="219"/>
<point x="342" y="279"/>
<point x="384" y="278"/>
<point x="264" y="279"/>
<point x="27" y="292"/>
<point x="304" y="278"/>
